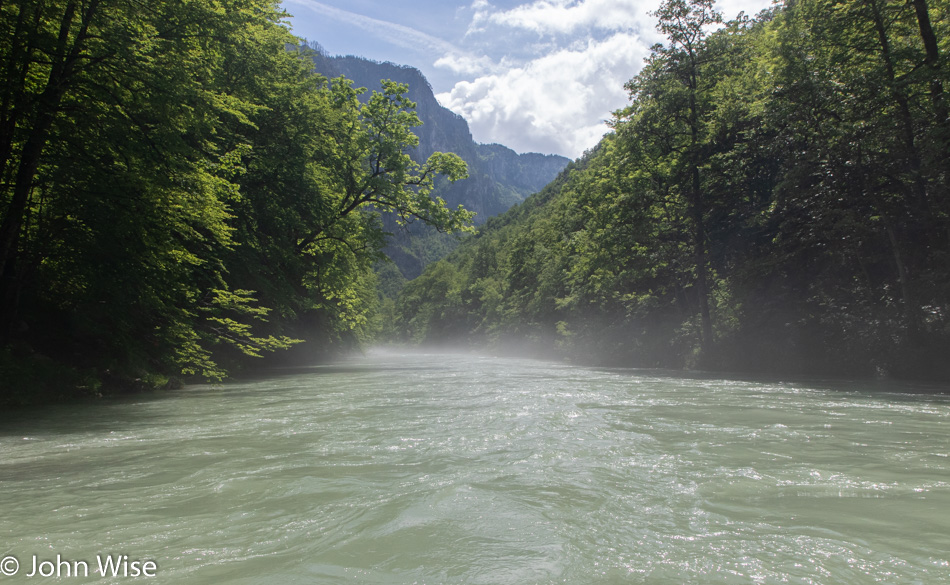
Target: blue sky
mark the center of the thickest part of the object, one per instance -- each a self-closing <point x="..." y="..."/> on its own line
<point x="536" y="76"/>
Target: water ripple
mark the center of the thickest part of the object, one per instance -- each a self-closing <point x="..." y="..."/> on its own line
<point x="414" y="468"/>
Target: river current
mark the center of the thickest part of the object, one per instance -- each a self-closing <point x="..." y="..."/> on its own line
<point x="398" y="468"/>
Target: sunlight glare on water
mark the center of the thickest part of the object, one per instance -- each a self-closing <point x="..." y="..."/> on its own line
<point x="417" y="468"/>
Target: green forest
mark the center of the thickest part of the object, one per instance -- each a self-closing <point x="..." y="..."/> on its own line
<point x="774" y="199"/>
<point x="182" y="194"/>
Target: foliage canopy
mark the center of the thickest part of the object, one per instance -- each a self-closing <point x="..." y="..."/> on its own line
<point x="179" y="191"/>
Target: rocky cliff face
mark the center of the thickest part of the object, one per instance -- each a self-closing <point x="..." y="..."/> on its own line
<point x="498" y="176"/>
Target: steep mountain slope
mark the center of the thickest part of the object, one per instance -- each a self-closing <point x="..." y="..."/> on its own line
<point x="498" y="176"/>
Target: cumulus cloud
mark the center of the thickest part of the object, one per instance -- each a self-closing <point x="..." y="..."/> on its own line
<point x="731" y="8"/>
<point x="555" y="103"/>
<point x="461" y="64"/>
<point x="558" y="72"/>
<point x="566" y="16"/>
<point x="536" y="75"/>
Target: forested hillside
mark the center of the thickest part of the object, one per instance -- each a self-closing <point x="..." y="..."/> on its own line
<point x="178" y="193"/>
<point x="775" y="198"/>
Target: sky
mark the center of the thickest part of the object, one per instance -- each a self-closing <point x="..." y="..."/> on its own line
<point x="537" y="76"/>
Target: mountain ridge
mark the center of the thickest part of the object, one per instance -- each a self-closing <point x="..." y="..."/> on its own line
<point x="499" y="177"/>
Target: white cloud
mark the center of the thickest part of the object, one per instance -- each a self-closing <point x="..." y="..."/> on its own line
<point x="559" y="70"/>
<point x="540" y="76"/>
<point x="731" y="8"/>
<point x="567" y="16"/>
<point x="465" y="64"/>
<point x="548" y="17"/>
<point x="555" y="103"/>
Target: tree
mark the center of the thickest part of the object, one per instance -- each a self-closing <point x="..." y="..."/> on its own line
<point x="177" y="188"/>
<point x="671" y="96"/>
<point x="324" y="167"/>
<point x="375" y="169"/>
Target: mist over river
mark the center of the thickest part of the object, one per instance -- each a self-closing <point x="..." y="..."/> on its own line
<point x="401" y="468"/>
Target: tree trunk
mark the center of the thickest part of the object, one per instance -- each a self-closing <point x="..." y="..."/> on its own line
<point x="30" y="155"/>
<point x="904" y="117"/>
<point x="17" y="70"/>
<point x="702" y="280"/>
<point x="910" y="306"/>
<point x="932" y="60"/>
<point x="697" y="210"/>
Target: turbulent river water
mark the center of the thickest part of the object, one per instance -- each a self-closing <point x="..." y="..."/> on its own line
<point x="425" y="469"/>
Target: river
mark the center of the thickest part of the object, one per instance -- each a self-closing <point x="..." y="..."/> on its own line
<point x="400" y="468"/>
